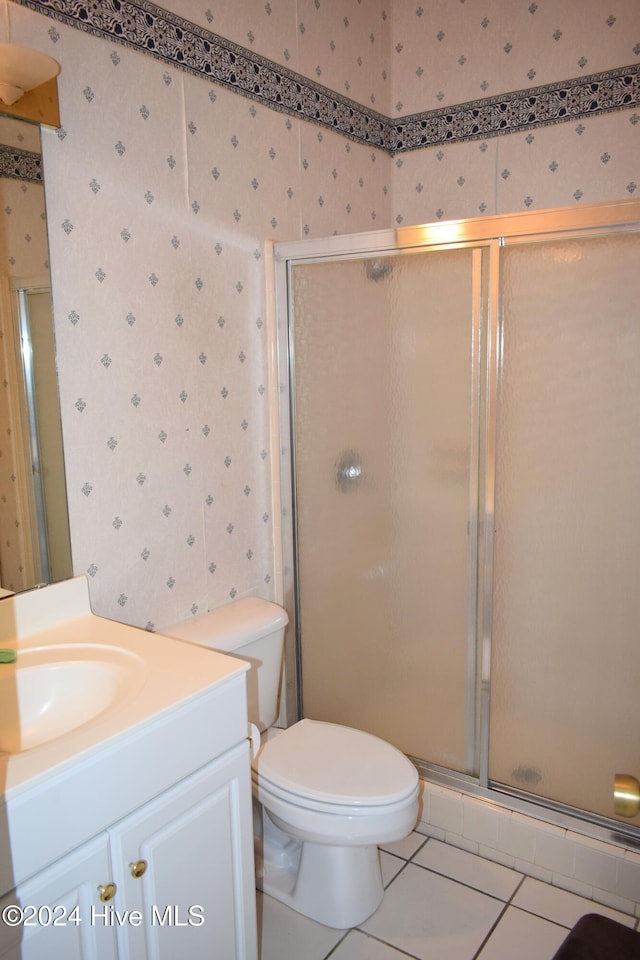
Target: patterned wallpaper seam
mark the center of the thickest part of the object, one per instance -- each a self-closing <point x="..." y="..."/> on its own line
<point x="148" y="28"/>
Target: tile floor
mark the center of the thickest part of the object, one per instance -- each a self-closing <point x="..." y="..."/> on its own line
<point x="440" y="903"/>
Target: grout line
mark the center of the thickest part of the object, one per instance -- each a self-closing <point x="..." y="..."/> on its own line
<point x="392" y="946"/>
<point x="507" y="904"/>
<point x="490" y="932"/>
<point x="517" y="889"/>
<point x="396" y="875"/>
<point x="407" y="860"/>
<point x="477" y="955"/>
<point x="539" y="916"/>
<point x="336" y="945"/>
<point x="470" y="886"/>
<point x="421" y="847"/>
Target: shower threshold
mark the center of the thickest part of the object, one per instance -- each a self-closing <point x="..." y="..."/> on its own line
<point x="511" y="799"/>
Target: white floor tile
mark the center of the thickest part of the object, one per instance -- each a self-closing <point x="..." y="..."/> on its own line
<point x="432" y="917"/>
<point x="443" y="905"/>
<point x="359" y="946"/>
<point x="287" y="935"/>
<point x="407" y="847"/>
<point x="484" y="875"/>
<point x="560" y="905"/>
<point x="523" y="936"/>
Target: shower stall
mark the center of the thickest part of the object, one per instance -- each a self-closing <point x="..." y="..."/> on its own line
<point x="460" y="481"/>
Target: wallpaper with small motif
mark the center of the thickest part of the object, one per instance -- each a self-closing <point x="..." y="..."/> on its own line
<point x="183" y="153"/>
<point x="23" y="236"/>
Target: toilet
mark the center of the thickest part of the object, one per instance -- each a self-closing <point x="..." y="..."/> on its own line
<point x="325" y="795"/>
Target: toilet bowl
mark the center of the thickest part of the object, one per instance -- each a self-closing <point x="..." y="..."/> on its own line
<point x="325" y="795"/>
<point x="331" y="795"/>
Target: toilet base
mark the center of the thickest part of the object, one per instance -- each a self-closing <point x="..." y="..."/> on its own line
<point x="339" y="886"/>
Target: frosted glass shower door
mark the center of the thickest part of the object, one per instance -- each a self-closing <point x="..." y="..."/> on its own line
<point x="566" y="604"/>
<point x="385" y="355"/>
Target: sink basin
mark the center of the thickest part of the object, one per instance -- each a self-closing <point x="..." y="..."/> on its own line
<point x="52" y="690"/>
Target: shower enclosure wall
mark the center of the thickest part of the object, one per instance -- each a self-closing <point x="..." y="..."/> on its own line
<point x="460" y="412"/>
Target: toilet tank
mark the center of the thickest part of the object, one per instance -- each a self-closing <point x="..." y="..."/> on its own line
<point x="253" y="630"/>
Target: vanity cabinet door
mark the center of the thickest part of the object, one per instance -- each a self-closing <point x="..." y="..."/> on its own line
<point x="61" y="908"/>
<point x="183" y="865"/>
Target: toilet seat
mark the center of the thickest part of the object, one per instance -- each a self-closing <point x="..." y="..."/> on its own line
<point x="330" y="784"/>
<point x="329" y="765"/>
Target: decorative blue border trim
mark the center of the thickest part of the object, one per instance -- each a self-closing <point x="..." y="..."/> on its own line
<point x="521" y="110"/>
<point x="18" y="164"/>
<point x="143" y="26"/>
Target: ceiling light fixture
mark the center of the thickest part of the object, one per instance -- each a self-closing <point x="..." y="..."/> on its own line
<point x="21" y="68"/>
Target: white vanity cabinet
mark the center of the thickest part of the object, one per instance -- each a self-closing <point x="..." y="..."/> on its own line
<point x="181" y="864"/>
<point x="56" y="907"/>
<point x="176" y="876"/>
<point x="126" y="834"/>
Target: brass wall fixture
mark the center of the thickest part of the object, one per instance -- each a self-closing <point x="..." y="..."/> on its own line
<point x="626" y="795"/>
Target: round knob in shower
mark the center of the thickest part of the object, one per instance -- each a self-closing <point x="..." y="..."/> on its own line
<point x="348" y="470"/>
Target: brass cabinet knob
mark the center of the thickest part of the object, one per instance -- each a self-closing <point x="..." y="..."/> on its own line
<point x="626" y="795"/>
<point x="138" y="869"/>
<point x="107" y="892"/>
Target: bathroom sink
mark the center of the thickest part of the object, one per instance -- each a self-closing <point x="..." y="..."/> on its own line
<point x="52" y="690"/>
<point x="83" y="684"/>
<point x="91" y="712"/>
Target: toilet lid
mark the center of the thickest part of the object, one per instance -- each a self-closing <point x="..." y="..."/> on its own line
<point x="336" y="764"/>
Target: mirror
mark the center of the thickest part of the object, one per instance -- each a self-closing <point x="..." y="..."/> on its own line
<point x="34" y="527"/>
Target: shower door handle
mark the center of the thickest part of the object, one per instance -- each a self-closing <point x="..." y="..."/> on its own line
<point x="626" y="795"/>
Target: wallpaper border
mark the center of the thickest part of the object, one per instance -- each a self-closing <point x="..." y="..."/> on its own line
<point x="148" y="28"/>
<point x="16" y="164"/>
<point x="521" y="110"/>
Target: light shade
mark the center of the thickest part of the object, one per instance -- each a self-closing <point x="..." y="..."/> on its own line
<point x="22" y="69"/>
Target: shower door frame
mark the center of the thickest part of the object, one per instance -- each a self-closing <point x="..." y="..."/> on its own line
<point x="491" y="233"/>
